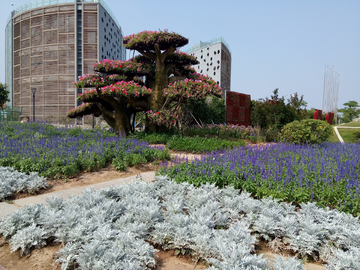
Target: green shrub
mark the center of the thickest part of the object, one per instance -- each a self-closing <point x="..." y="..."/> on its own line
<point x="201" y="145"/>
<point x="119" y="164"/>
<point x="306" y="131"/>
<point x="356" y="136"/>
<point x="272" y="134"/>
<point x="153" y="138"/>
<point x="207" y="110"/>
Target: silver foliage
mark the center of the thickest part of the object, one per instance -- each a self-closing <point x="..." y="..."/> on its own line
<point x="111" y="228"/>
<point x="282" y="263"/>
<point x="12" y="181"/>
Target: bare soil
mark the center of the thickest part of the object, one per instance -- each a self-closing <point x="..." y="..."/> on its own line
<point x="43" y="259"/>
<point x="89" y="178"/>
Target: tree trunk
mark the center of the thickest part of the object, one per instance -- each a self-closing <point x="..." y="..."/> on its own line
<point x="122" y="122"/>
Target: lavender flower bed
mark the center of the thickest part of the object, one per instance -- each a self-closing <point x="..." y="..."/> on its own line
<point x="52" y="151"/>
<point x="327" y="174"/>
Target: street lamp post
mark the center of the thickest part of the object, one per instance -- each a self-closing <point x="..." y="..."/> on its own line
<point x="33" y="90"/>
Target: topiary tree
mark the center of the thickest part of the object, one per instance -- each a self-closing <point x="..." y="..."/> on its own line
<point x="159" y="81"/>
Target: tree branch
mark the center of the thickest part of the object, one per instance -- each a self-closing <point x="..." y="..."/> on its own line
<point x="168" y="67"/>
<point x="105" y="111"/>
<point x="109" y="100"/>
<point x="149" y="55"/>
<point x="176" y="78"/>
<point x="157" y="51"/>
<point x="138" y="104"/>
<point x="167" y="52"/>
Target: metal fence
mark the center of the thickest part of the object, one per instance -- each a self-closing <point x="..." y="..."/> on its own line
<point x="10" y="114"/>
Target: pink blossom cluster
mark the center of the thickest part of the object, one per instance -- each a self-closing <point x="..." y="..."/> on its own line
<point x="79" y="108"/>
<point x="190" y="69"/>
<point x="87" y="95"/>
<point x="191" y="89"/>
<point x="233" y="128"/>
<point x="205" y="79"/>
<point x="118" y="66"/>
<point x="126" y="88"/>
<point x="87" y="80"/>
<point x="181" y="56"/>
<point x="144" y="36"/>
<point x="162" y="117"/>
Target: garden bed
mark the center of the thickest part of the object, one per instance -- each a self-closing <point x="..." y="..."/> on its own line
<point x="169" y="215"/>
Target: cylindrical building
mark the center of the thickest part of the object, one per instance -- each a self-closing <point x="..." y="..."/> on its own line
<point x="50" y="43"/>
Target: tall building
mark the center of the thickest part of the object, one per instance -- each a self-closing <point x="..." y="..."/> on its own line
<point x="49" y="44"/>
<point x="215" y="60"/>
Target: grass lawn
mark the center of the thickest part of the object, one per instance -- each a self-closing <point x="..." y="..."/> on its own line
<point x="347" y="133"/>
<point x="352" y="124"/>
<point x="333" y="138"/>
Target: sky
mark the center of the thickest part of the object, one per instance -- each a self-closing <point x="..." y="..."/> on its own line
<point x="283" y="44"/>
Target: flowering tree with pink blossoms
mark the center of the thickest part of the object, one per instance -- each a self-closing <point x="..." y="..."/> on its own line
<point x="159" y="81"/>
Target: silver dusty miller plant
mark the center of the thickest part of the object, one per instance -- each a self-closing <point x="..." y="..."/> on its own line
<point x="113" y="228"/>
<point x="12" y="181"/>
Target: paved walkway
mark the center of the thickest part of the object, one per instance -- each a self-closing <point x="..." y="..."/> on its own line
<point x="7" y="209"/>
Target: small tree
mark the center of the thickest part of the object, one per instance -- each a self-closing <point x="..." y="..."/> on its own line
<point x="350" y="112"/>
<point x="159" y="81"/>
<point x="4" y="95"/>
<point x="272" y="114"/>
